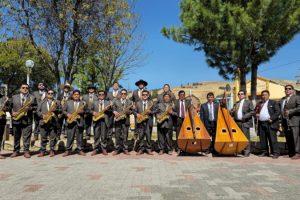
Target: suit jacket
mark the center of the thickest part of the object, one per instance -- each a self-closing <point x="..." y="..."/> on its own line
<point x="247" y="113"/>
<point x="110" y="96"/>
<point x="160" y="97"/>
<point x="204" y="113"/>
<point x="187" y="103"/>
<point x="118" y="107"/>
<point x="139" y="108"/>
<point x="4" y="106"/>
<point x="135" y="96"/>
<point x="89" y="103"/>
<point x="16" y="104"/>
<point x="68" y="108"/>
<point x="274" y="112"/>
<point x="38" y="97"/>
<point x="43" y="109"/>
<point x="107" y="113"/>
<point x="293" y="108"/>
<point x="169" y="123"/>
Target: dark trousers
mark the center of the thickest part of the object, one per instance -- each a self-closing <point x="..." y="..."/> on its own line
<point x="267" y="134"/>
<point x="143" y="130"/>
<point x="48" y="130"/>
<point x="60" y="126"/>
<point x="121" y="135"/>
<point x="246" y="132"/>
<point x="164" y="139"/>
<point x="22" y="130"/>
<point x="110" y="128"/>
<point x="88" y="124"/>
<point x="211" y="129"/>
<point x="2" y="129"/>
<point x="36" y="129"/>
<point x="72" y="131"/>
<point x="292" y="138"/>
<point x="100" y="135"/>
<point x="178" y="128"/>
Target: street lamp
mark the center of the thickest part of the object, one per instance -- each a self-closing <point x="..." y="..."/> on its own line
<point x="29" y="64"/>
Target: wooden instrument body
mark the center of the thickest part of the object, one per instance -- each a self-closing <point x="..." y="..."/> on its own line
<point x="229" y="137"/>
<point x="193" y="142"/>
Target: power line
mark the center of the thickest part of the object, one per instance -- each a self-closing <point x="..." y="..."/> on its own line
<point x="279" y="66"/>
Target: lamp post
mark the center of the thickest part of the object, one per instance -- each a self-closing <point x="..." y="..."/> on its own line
<point x="29" y="64"/>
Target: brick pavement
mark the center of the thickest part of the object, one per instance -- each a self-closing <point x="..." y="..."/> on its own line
<point x="149" y="177"/>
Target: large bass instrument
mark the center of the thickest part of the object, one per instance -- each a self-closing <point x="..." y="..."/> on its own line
<point x="100" y="115"/>
<point x="23" y="110"/>
<point x="144" y="115"/>
<point x="193" y="136"/>
<point x="75" y="115"/>
<point x="48" y="116"/>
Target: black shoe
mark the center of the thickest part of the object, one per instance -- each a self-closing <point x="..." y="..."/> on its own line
<point x="263" y="155"/>
<point x="275" y="156"/>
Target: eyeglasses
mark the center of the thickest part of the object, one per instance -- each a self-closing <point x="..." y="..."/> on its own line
<point x="123" y="93"/>
<point x="240" y="93"/>
<point x="101" y="94"/>
<point x="50" y="93"/>
<point x="25" y="88"/>
<point x="288" y="88"/>
<point x="144" y="94"/>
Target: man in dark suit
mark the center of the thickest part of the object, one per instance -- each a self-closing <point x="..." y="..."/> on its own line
<point x="181" y="106"/>
<point x="89" y="99"/>
<point x="39" y="95"/>
<point x="4" y="107"/>
<point x="48" y="127"/>
<point x="165" y="127"/>
<point x="22" y="124"/>
<point x="268" y="125"/>
<point x="290" y="113"/>
<point x="102" y="124"/>
<point x="112" y="97"/>
<point x="122" y="109"/>
<point x="63" y="97"/>
<point x="243" y="112"/>
<point x="74" y="128"/>
<point x="144" y="108"/>
<point x="209" y="116"/>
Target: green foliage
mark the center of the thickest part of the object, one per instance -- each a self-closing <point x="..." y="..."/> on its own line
<point x="13" y="55"/>
<point x="237" y="35"/>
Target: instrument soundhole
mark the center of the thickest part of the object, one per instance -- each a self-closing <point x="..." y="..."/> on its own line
<point x="224" y="131"/>
<point x="194" y="142"/>
<point x="188" y="128"/>
<point x="234" y="130"/>
<point x="198" y="128"/>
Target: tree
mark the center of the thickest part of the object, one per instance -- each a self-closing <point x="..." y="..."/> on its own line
<point x="237" y="36"/>
<point x="13" y="55"/>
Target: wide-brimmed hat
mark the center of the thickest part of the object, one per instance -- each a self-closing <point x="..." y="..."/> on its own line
<point x="141" y="81"/>
<point x="91" y="87"/>
<point x="67" y="84"/>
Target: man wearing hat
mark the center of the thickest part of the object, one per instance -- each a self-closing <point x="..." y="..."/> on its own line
<point x="63" y="97"/>
<point x="137" y="94"/>
<point x="89" y="98"/>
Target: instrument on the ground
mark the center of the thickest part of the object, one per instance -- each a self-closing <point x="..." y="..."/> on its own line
<point x="23" y="110"/>
<point x="123" y="114"/>
<point x="48" y="116"/>
<point x="75" y="115"/>
<point x="160" y="118"/>
<point x="193" y="136"/>
<point x="100" y="115"/>
<point x="144" y="115"/>
<point x="2" y="106"/>
<point x="229" y="137"/>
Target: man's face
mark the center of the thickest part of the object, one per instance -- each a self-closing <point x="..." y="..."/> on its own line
<point x="41" y="86"/>
<point x="91" y="90"/>
<point x="166" y="98"/>
<point x="24" y="89"/>
<point x="241" y="95"/>
<point x="288" y="90"/>
<point x="210" y="98"/>
<point x="123" y="95"/>
<point x="145" y="96"/>
<point x="265" y="96"/>
<point x="182" y="96"/>
<point x="101" y="95"/>
<point x="66" y="89"/>
<point x="166" y="88"/>
<point x="76" y="96"/>
<point x="50" y="94"/>
<point x="115" y="86"/>
<point x="141" y="86"/>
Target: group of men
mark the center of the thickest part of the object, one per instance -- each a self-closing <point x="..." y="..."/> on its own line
<point x="72" y="113"/>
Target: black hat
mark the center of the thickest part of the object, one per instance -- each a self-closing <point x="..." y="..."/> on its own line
<point x="91" y="87"/>
<point x="141" y="82"/>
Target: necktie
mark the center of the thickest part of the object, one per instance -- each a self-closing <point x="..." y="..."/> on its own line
<point x="49" y="104"/>
<point x="211" y="118"/>
<point x="182" y="109"/>
<point x="91" y="98"/>
<point x="144" y="106"/>
<point x="23" y="101"/>
<point x="100" y="106"/>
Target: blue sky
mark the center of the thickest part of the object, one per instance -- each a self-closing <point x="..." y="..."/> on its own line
<point x="176" y="64"/>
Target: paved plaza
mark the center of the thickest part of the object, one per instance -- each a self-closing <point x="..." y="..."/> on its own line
<point x="149" y="177"/>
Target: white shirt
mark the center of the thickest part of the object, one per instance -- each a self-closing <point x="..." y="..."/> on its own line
<point x="240" y="111"/>
<point x="264" y="112"/>
<point x="211" y="110"/>
<point x="101" y="104"/>
<point x="23" y="97"/>
<point x="115" y="92"/>
<point x="49" y="104"/>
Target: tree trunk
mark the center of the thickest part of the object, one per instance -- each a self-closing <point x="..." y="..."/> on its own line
<point x="253" y="81"/>
<point x="242" y="79"/>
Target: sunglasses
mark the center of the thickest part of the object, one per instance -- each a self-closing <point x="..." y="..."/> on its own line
<point x="50" y="93"/>
<point x="240" y="93"/>
<point x="123" y="93"/>
<point x="25" y="88"/>
<point x="144" y="94"/>
<point x="288" y="88"/>
<point x="101" y="94"/>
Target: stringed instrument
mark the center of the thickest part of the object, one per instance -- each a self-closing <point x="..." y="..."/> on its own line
<point x="193" y="136"/>
<point x="230" y="139"/>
